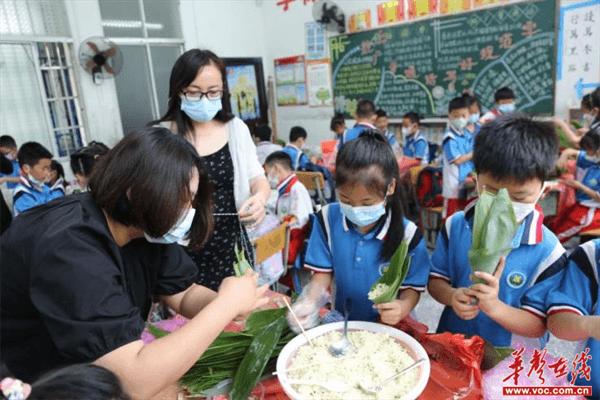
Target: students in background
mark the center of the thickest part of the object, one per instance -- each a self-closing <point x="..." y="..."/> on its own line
<point x="382" y="123"/>
<point x="415" y="144"/>
<point x="365" y="118"/>
<point x="32" y="191"/>
<point x="338" y="125"/>
<point x="354" y="239"/>
<point x="293" y="201"/>
<point x="263" y="137"/>
<point x="516" y="153"/>
<point x="56" y="180"/>
<point x="295" y="148"/>
<point x="504" y="99"/>
<point x="8" y="148"/>
<point x="590" y="108"/>
<point x="83" y="161"/>
<point x="474" y="113"/>
<point x="573" y="307"/>
<point x="585" y="213"/>
<point x="457" y="156"/>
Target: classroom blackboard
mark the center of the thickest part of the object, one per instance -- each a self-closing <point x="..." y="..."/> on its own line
<point x="421" y="65"/>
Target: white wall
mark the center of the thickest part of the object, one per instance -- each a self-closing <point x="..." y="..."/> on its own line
<point x="99" y="102"/>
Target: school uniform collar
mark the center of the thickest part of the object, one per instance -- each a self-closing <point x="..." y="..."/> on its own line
<point x="264" y="143"/>
<point x="293" y="146"/>
<point x="25" y="182"/>
<point x="287" y="184"/>
<point x="531" y="227"/>
<point x="368" y="125"/>
<point x="59" y="184"/>
<point x="414" y="137"/>
<point x="380" y="231"/>
<point x="454" y="131"/>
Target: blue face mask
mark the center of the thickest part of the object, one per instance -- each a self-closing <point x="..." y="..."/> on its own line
<point x="201" y="111"/>
<point x="474" y="118"/>
<point x="178" y="233"/>
<point x="365" y="215"/>
<point x="507" y="108"/>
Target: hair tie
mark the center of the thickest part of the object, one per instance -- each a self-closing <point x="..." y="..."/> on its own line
<point x="14" y="389"/>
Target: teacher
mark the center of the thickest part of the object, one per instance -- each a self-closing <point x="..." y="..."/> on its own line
<point x="199" y="110"/>
<point x="78" y="274"/>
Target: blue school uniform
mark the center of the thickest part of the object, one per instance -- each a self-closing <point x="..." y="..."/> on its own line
<point x="456" y="144"/>
<point x="58" y="189"/>
<point x="299" y="159"/>
<point x="532" y="268"/>
<point x="392" y="140"/>
<point x="588" y="173"/>
<point x="354" y="132"/>
<point x="416" y="146"/>
<point x="15" y="173"/>
<point x="335" y="245"/>
<point x="579" y="292"/>
<point x="27" y="195"/>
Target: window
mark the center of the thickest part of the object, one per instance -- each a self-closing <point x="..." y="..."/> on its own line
<point x="149" y="36"/>
<point x="40" y="99"/>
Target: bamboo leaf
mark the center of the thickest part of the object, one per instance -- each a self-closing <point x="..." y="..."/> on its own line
<point x="393" y="276"/>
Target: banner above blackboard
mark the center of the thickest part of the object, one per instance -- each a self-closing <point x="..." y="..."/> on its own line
<point x="420" y="66"/>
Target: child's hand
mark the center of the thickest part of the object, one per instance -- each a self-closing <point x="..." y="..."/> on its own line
<point x="593" y="326"/>
<point x="392" y="312"/>
<point x="463" y="304"/>
<point x="242" y="293"/>
<point x="487" y="293"/>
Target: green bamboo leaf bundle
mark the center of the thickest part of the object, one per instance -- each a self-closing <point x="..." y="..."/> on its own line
<point x="241" y="265"/>
<point x="494" y="228"/>
<point x="387" y="286"/>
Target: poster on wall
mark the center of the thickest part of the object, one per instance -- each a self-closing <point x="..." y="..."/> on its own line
<point x="578" y="59"/>
<point x="390" y="12"/>
<point x="245" y="81"/>
<point x="421" y="8"/>
<point x="318" y="83"/>
<point x="315" y="39"/>
<point x="454" y="6"/>
<point x="290" y="81"/>
<point x="360" y="21"/>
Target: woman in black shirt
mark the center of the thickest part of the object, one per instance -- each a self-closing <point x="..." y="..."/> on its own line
<point x="78" y="274"/>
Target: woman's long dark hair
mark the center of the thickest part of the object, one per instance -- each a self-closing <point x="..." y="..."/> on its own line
<point x="370" y="161"/>
<point x="144" y="181"/>
<point x="183" y="73"/>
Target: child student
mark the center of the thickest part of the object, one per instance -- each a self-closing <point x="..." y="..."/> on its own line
<point x="590" y="108"/>
<point x="415" y="144"/>
<point x="457" y="156"/>
<point x="504" y="99"/>
<point x="474" y="113"/>
<point x="295" y="147"/>
<point x="32" y="191"/>
<point x="585" y="213"/>
<point x="56" y="180"/>
<point x="263" y="137"/>
<point x="338" y="125"/>
<point x="293" y="199"/>
<point x="574" y="307"/>
<point x="355" y="238"/>
<point x="365" y="118"/>
<point x="515" y="153"/>
<point x="382" y="123"/>
<point x="8" y="148"/>
<point x="83" y="161"/>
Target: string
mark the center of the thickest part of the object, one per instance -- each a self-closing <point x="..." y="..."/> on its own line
<point x="245" y="242"/>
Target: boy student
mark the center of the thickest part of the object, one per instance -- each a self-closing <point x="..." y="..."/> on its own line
<point x="295" y="147"/>
<point x="8" y="148"/>
<point x="457" y="156"/>
<point x="504" y="99"/>
<point x="365" y="117"/>
<point x="585" y="213"/>
<point x="338" y="125"/>
<point x="516" y="153"/>
<point x="264" y="146"/>
<point x="32" y="191"/>
<point x="293" y="199"/>
<point x="415" y="144"/>
<point x="382" y="123"/>
<point x="574" y="308"/>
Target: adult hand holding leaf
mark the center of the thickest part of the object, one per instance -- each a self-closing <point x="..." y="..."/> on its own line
<point x="494" y="228"/>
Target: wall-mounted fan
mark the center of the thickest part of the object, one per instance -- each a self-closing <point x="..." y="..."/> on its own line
<point x="329" y="14"/>
<point x="101" y="58"/>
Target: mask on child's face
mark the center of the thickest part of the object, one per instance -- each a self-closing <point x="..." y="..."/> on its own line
<point x="11" y="156"/>
<point x="36" y="182"/>
<point x="507" y="108"/>
<point x="364" y="215"/>
<point x="459" y="123"/>
<point x="522" y="210"/>
<point x="178" y="232"/>
<point x="474" y="118"/>
<point x="273" y="181"/>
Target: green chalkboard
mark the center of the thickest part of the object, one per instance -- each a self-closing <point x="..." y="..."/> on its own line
<point x="421" y="65"/>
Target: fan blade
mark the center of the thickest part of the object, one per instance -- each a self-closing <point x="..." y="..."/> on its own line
<point x="109" y="69"/>
<point x="110" y="52"/>
<point x="89" y="64"/>
<point x="92" y="46"/>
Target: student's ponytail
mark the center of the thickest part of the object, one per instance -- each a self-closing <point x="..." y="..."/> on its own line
<point x="370" y="161"/>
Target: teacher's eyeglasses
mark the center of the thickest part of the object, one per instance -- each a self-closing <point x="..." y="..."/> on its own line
<point x="197" y="95"/>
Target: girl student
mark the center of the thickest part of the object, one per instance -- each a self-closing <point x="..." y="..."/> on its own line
<point x="590" y="108"/>
<point x="352" y="241"/>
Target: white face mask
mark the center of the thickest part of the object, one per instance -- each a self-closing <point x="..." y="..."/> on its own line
<point x="405" y="131"/>
<point x="522" y="210"/>
<point x="178" y="233"/>
<point x="459" y="123"/>
<point x="273" y="181"/>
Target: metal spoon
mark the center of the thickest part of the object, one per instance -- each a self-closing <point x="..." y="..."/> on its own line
<point x="331" y="386"/>
<point x="379" y="387"/>
<point x="343" y="346"/>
